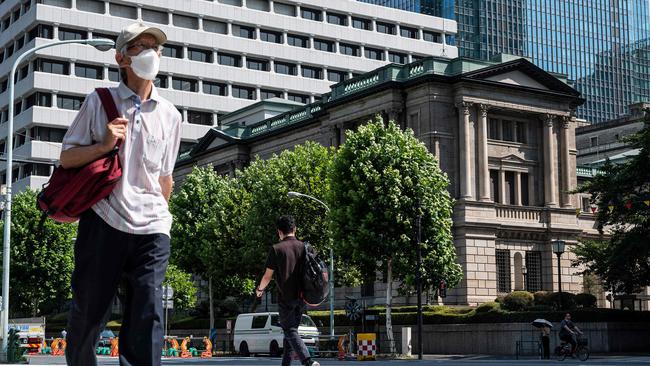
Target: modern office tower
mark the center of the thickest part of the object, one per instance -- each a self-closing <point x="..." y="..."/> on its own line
<point x="602" y="45"/>
<point x="221" y="56"/>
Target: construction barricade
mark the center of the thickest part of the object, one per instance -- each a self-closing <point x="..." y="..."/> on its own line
<point x="366" y="346"/>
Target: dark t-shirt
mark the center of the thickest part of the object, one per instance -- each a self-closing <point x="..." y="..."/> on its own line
<point x="285" y="259"/>
<point x="569" y="324"/>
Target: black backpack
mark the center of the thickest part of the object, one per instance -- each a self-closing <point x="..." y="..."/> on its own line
<point x="315" y="278"/>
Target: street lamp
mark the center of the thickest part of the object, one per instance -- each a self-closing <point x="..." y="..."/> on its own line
<point x="558" y="249"/>
<point x="331" y="275"/>
<point x="524" y="272"/>
<point x="100" y="44"/>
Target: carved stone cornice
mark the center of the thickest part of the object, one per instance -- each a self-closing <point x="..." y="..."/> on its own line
<point x="464" y="107"/>
<point x="483" y="109"/>
<point x="548" y="118"/>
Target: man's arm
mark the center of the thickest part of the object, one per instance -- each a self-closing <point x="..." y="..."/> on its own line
<point x="266" y="279"/>
<point x="82" y="155"/>
<point x="166" y="185"/>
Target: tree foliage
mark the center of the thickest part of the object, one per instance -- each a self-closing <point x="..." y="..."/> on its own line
<point x="377" y="179"/>
<point x="621" y="193"/>
<point x="184" y="287"/>
<point x="42" y="259"/>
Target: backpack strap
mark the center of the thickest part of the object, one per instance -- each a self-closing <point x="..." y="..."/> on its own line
<point x="109" y="106"/>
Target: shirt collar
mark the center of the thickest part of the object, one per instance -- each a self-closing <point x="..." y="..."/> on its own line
<point x="124" y="92"/>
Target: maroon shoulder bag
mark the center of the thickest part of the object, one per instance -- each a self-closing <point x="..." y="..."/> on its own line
<point x="70" y="192"/>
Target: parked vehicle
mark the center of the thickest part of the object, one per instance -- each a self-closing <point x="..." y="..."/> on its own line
<point x="105" y="338"/>
<point x="261" y="333"/>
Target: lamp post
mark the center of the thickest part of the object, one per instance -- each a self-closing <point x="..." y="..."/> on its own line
<point x="100" y="44"/>
<point x="558" y="249"/>
<point x="524" y="272"/>
<point x="331" y="274"/>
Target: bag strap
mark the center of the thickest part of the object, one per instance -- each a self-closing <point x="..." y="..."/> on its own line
<point x="109" y="106"/>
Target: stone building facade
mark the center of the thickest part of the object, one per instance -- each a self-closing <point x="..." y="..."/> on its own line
<point x="502" y="131"/>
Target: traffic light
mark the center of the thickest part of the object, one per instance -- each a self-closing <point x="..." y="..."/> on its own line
<point x="442" y="289"/>
<point x="14" y="351"/>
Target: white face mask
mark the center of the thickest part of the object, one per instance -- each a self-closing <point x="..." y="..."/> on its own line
<point x="146" y="64"/>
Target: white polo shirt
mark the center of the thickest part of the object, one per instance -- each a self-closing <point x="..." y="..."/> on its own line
<point x="137" y="204"/>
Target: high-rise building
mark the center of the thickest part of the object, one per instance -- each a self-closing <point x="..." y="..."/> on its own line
<point x="602" y="45"/>
<point x="221" y="56"/>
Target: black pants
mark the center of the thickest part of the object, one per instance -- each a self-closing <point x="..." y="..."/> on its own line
<point x="290" y="317"/>
<point x="103" y="257"/>
<point x="571" y="340"/>
<point x="546" y="347"/>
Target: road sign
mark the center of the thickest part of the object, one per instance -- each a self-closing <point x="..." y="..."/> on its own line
<point x="228" y="326"/>
<point x="168" y="292"/>
<point x="168" y="304"/>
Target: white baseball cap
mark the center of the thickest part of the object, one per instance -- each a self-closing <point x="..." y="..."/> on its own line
<point x="132" y="31"/>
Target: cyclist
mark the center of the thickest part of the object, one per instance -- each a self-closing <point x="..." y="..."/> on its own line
<point x="568" y="332"/>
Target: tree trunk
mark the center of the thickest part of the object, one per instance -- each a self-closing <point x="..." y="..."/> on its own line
<point x="211" y="303"/>
<point x="389" y="304"/>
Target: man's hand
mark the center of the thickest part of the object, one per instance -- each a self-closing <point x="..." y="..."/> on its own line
<point x="115" y="130"/>
<point x="259" y="292"/>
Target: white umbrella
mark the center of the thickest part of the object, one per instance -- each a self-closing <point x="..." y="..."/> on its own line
<point x="542" y="323"/>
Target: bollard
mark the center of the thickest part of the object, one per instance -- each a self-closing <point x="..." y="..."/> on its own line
<point x="366" y="346"/>
<point x="406" y="341"/>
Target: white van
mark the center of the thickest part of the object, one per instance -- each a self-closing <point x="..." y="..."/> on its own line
<point x="261" y="333"/>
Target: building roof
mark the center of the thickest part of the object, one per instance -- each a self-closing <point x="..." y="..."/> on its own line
<point x="459" y="69"/>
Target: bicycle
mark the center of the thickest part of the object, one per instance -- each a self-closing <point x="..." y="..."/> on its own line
<point x="564" y="350"/>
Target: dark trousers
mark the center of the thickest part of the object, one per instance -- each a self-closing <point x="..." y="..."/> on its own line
<point x="546" y="347"/>
<point x="290" y="317"/>
<point x="103" y="258"/>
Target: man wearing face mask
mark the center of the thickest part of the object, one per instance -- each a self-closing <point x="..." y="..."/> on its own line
<point x="125" y="237"/>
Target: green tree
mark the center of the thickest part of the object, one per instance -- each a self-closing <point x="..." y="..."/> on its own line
<point x="381" y="179"/>
<point x="267" y="183"/>
<point x="184" y="288"/>
<point x="622" y="194"/>
<point x="41" y="259"/>
<point x="206" y="233"/>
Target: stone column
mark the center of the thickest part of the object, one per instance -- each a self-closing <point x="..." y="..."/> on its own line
<point x="566" y="179"/>
<point x="502" y="187"/>
<point x="465" y="172"/>
<point x="518" y="188"/>
<point x="532" y="194"/>
<point x="484" y="171"/>
<point x="550" y="190"/>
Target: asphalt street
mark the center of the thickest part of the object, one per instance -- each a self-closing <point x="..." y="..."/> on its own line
<point x="429" y="360"/>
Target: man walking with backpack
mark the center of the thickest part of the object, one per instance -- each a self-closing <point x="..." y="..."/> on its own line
<point x="125" y="236"/>
<point x="285" y="260"/>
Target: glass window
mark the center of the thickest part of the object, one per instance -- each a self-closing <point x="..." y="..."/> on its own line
<point x="185" y="21"/>
<point x="398" y="58"/>
<point x="66" y="34"/>
<point x="229" y="60"/>
<point x="259" y="321"/>
<point x="213" y="26"/>
<point x="338" y="19"/>
<point x="170" y="50"/>
<point x="59" y="3"/>
<point x="199" y="118"/>
<point x="196" y="54"/>
<point x="215" y="88"/>
<point x="300" y="98"/>
<point x="533" y="271"/>
<point x="231" y="2"/>
<point x="408" y="32"/>
<point x="39" y="99"/>
<point x="262" y="5"/>
<point x="269" y="36"/>
<point x="494" y="185"/>
<point x="155" y="16"/>
<point x="312" y="72"/>
<point x="323" y="45"/>
<point x="113" y="74"/>
<point x="243" y="31"/>
<point x="5" y="23"/>
<point x="503" y="271"/>
<point x="161" y="81"/>
<point x="256" y="64"/>
<point x="432" y="37"/>
<point x="88" y="71"/>
<point x="336" y="76"/>
<point x="522" y="132"/>
<point x="92" y="6"/>
<point x="40" y="31"/>
<point x="9" y="51"/>
<point x="123" y="11"/>
<point x="493" y="125"/>
<point x="508" y="130"/>
<point x="53" y="67"/>
<point x="69" y="102"/>
<point x="23" y="72"/>
<point x="51" y="134"/>
<point x="361" y="23"/>
<point x="385" y="28"/>
<point x="374" y="54"/>
<point x="243" y="92"/>
<point x="286" y="68"/>
<point x="349" y="49"/>
<point x="311" y="14"/>
<point x="183" y="84"/>
<point x="298" y="41"/>
<point x="267" y="94"/>
<point x="285" y="9"/>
